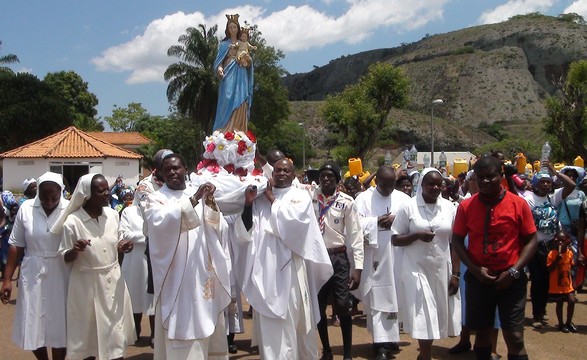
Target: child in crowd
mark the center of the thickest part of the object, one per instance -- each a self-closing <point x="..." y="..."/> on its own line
<point x="559" y="264"/>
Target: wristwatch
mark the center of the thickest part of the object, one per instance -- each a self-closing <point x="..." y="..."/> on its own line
<point x="514" y="273"/>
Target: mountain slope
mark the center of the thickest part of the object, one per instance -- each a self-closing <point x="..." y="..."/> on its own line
<point x="485" y="74"/>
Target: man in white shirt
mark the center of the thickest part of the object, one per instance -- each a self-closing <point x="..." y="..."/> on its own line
<point x="341" y="230"/>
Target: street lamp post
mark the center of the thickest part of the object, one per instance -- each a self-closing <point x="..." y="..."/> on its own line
<point x="303" y="125"/>
<point x="434" y="102"/>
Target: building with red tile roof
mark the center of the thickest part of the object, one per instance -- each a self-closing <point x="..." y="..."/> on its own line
<point x="73" y="153"/>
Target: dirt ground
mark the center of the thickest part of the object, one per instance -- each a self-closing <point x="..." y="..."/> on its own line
<point x="547" y="343"/>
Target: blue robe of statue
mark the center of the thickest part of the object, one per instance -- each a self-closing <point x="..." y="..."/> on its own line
<point x="235" y="88"/>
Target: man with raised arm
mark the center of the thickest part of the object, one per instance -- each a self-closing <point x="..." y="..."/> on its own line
<point x="287" y="264"/>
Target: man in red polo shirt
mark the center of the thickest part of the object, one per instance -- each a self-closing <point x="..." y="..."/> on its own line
<point x="502" y="240"/>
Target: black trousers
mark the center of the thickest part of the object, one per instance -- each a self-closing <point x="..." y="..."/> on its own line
<point x="539" y="283"/>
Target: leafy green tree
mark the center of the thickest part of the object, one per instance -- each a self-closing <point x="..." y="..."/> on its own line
<point x="174" y="132"/>
<point x="270" y="98"/>
<point x="7" y="60"/>
<point x="126" y="119"/>
<point x="193" y="87"/>
<point x="572" y="17"/>
<point x="567" y="114"/>
<point x="81" y="102"/>
<point x="359" y="112"/>
<point x="30" y="109"/>
<point x="496" y="130"/>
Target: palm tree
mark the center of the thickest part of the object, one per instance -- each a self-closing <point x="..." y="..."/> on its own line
<point x="193" y="87"/>
<point x="5" y="60"/>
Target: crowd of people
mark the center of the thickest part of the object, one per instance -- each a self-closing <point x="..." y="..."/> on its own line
<point x="432" y="256"/>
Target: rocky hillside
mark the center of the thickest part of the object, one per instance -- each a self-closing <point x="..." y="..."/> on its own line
<point x="491" y="73"/>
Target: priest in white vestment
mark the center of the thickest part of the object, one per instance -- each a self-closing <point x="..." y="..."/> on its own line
<point x="190" y="267"/>
<point x="286" y="265"/>
<point x="377" y="208"/>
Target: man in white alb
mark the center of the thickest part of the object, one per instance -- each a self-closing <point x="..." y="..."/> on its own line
<point x="287" y="263"/>
<point x="190" y="267"/>
<point x="377" y="208"/>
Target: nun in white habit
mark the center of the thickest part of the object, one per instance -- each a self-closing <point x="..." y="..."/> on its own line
<point x="429" y="286"/>
<point x="99" y="311"/>
<point x="39" y="320"/>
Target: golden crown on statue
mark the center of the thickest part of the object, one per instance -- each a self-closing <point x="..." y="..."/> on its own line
<point x="232" y="18"/>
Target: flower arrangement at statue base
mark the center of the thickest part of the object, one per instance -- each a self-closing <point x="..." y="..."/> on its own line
<point x="229" y="164"/>
<point x="230" y="152"/>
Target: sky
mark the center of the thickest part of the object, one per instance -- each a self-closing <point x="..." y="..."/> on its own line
<point x="120" y="47"/>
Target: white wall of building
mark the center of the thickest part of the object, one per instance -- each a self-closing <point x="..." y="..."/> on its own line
<point x="16" y="170"/>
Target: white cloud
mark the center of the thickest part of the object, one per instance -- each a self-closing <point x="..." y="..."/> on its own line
<point x="294" y="28"/>
<point x="579" y="7"/>
<point x="515" y="7"/>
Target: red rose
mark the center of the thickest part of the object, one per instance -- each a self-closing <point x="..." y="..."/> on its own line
<point x="251" y="136"/>
<point x="242" y="147"/>
<point x="240" y="172"/>
<point x="210" y="147"/>
<point x="202" y="164"/>
<point x="229" y="168"/>
<point x="257" y="172"/>
<point x="229" y="135"/>
<point x="215" y="168"/>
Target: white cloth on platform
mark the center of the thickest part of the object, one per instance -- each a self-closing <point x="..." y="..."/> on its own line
<point x="378" y="282"/>
<point x="285" y="267"/>
<point x="134" y="265"/>
<point x="426" y="269"/>
<point x="230" y="189"/>
<point x="190" y="267"/>
<point x="40" y="315"/>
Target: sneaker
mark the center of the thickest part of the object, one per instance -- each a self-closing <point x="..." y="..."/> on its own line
<point x="545" y="317"/>
<point x="536" y="324"/>
<point x="572" y="328"/>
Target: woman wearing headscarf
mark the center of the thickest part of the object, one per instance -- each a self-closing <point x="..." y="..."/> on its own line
<point x="10" y="209"/>
<point x="99" y="312"/>
<point x="544" y="204"/>
<point x="39" y="320"/>
<point x="427" y="279"/>
<point x="127" y="196"/>
<point x="29" y="190"/>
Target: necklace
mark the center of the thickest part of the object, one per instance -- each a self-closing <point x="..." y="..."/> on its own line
<point x="430" y="207"/>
